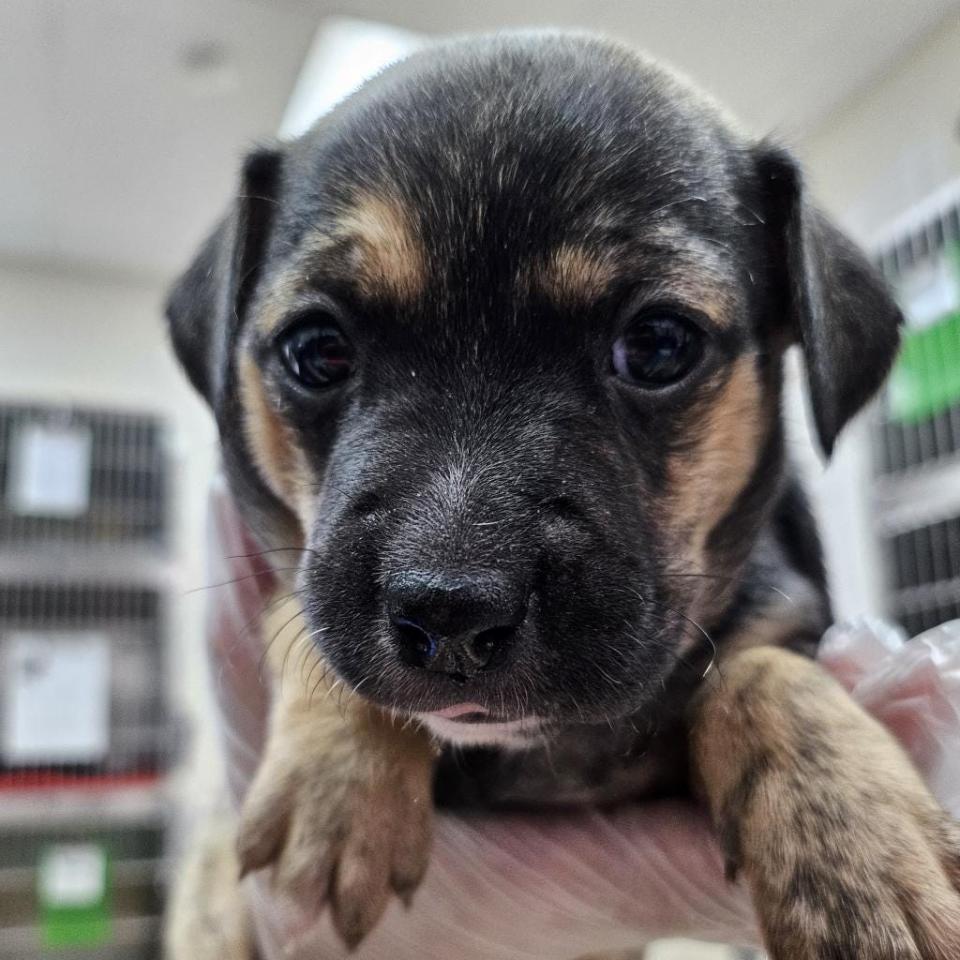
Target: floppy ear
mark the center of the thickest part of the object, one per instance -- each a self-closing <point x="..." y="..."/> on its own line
<point x="837" y="305"/>
<point x="206" y="303"/>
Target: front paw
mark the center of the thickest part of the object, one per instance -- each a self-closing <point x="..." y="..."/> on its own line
<point x="847" y="854"/>
<point x="343" y="815"/>
<point x="875" y="880"/>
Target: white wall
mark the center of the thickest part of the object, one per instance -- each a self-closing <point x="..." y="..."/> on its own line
<point x="92" y="338"/>
<point x="894" y="144"/>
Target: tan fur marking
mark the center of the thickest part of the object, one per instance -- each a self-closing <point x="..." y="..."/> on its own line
<point x="390" y="259"/>
<point x="276" y="454"/>
<point x="712" y="299"/>
<point x="278" y="300"/>
<point x="339" y="783"/>
<point x="574" y="275"/>
<point x="706" y="478"/>
<point x="378" y="239"/>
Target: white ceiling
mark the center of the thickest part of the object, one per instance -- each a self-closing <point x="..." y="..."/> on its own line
<point x="113" y="154"/>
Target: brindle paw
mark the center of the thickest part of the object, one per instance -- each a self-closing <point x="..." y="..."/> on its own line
<point x="891" y="893"/>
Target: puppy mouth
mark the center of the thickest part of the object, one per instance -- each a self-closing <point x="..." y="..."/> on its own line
<point x="465" y="713"/>
<point x="470" y="724"/>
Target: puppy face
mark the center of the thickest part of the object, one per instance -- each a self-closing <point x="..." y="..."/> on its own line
<point x="504" y="356"/>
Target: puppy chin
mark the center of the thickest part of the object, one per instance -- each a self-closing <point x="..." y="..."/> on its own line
<point x="510" y="734"/>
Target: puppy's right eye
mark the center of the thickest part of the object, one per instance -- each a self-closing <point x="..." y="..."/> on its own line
<point x="316" y="353"/>
<point x="657" y="349"/>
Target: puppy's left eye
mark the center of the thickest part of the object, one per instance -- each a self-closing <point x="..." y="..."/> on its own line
<point x="316" y="353"/>
<point x="657" y="349"/>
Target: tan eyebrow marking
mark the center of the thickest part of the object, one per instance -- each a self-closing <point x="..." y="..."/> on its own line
<point x="388" y="256"/>
<point x="573" y="275"/>
<point x="688" y="269"/>
<point x="372" y="242"/>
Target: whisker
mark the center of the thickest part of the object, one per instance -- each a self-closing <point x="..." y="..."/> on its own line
<point x="278" y="600"/>
<point x="262" y="553"/>
<point x="256" y="573"/>
<point x="276" y="636"/>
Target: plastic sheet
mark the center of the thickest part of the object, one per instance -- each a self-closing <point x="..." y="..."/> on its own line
<point x="560" y="885"/>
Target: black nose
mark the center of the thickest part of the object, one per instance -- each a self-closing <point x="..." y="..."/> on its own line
<point x="454" y="624"/>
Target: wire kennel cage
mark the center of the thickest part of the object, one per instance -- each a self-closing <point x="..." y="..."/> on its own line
<point x="86" y="733"/>
<point x="119" y="498"/>
<point x="917" y="432"/>
<point x="106" y="635"/>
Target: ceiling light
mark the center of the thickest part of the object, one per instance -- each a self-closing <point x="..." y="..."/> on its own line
<point x="344" y="54"/>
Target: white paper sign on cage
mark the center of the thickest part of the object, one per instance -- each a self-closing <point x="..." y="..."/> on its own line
<point x="56" y="698"/>
<point x="49" y="472"/>
<point x="73" y="874"/>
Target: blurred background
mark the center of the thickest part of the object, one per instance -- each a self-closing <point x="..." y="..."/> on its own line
<point x="123" y="126"/>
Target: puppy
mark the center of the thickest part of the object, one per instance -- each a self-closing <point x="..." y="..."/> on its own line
<point x="498" y="348"/>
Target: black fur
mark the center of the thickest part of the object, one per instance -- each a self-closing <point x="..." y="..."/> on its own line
<point x="839" y="307"/>
<point x="205" y="307"/>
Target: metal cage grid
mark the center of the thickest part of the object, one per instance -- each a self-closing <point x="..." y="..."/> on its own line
<point x="925" y="574"/>
<point x="136" y="855"/>
<point x="98" y="571"/>
<point x="128" y="490"/>
<point x="131" y="618"/>
<point x="917" y="469"/>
